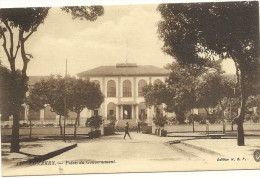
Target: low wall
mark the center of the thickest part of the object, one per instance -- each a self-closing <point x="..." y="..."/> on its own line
<point x="45" y="131"/>
<point x="211" y="127"/>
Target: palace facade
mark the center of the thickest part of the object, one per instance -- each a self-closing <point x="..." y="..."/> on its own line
<point x="122" y="86"/>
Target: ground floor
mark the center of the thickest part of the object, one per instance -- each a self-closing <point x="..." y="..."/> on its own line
<point x="111" y="110"/>
<point x="119" y="113"/>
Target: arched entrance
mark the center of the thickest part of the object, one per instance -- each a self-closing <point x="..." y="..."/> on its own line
<point x="142" y="112"/>
<point x="111" y="112"/>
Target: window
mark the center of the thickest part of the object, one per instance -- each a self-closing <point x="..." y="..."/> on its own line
<point x="127" y="89"/>
<point x="157" y="81"/>
<point x="95" y="112"/>
<point x="111" y="112"/>
<point x="111" y="88"/>
<point x="141" y="85"/>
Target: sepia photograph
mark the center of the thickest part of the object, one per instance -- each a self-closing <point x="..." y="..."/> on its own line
<point x="130" y="88"/>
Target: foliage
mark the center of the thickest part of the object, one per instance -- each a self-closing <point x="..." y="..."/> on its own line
<point x="195" y="118"/>
<point x="90" y="13"/>
<point x="199" y="33"/>
<point x="213" y="89"/>
<point x="94" y="122"/>
<point x="155" y="95"/>
<point x="13" y="89"/>
<point x="160" y="120"/>
<point x="79" y="94"/>
<point x="83" y="94"/>
<point x="253" y="101"/>
<point x="112" y="120"/>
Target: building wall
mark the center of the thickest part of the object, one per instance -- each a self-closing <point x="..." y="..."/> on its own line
<point x="120" y="99"/>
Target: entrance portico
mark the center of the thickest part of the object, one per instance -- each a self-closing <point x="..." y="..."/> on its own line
<point x="127" y="113"/>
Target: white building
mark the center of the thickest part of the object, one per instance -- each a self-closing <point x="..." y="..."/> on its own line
<point x="122" y="87"/>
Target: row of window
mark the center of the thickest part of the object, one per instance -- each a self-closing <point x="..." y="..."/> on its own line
<point x="127" y="87"/>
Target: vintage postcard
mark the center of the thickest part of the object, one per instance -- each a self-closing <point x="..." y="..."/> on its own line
<point x="130" y="88"/>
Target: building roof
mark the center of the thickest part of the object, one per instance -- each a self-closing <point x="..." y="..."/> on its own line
<point x="125" y="69"/>
<point x="34" y="79"/>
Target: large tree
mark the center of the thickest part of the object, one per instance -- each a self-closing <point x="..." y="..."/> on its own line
<point x="197" y="33"/>
<point x="23" y="22"/>
<point x="79" y="94"/>
<point x="50" y="91"/>
<point x="178" y="93"/>
<point x="83" y="94"/>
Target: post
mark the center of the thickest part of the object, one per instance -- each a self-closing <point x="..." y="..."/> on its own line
<point x="65" y="104"/>
<point x="231" y="114"/>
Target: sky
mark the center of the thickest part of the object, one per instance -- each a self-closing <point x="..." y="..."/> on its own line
<point x="125" y="33"/>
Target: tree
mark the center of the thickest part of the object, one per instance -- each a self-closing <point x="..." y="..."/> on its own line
<point x="79" y="93"/>
<point x="83" y="94"/>
<point x="178" y="93"/>
<point x="50" y="91"/>
<point x="12" y="95"/>
<point x="216" y="91"/>
<point x="198" y="33"/>
<point x="26" y="21"/>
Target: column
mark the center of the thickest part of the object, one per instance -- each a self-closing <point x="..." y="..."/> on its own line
<point x="121" y="112"/>
<point x="105" y="110"/>
<point x="42" y="116"/>
<point x="148" y="115"/>
<point x="132" y="110"/>
<point x="57" y="119"/>
<point x="26" y="112"/>
<point x="134" y="89"/>
<point x="136" y="112"/>
<point x="163" y="109"/>
<point x="117" y="112"/>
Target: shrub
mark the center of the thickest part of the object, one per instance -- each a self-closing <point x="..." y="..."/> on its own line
<point x="160" y="120"/>
<point x="49" y="125"/>
<point x="112" y="121"/>
<point x="94" y="122"/>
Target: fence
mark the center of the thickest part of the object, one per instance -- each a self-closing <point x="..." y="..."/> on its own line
<point x="211" y="127"/>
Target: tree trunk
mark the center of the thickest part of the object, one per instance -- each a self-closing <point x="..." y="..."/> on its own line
<point x="240" y="119"/>
<point x="193" y="126"/>
<point x="60" y="125"/>
<point x="30" y="129"/>
<point x="24" y="57"/>
<point x="75" y="125"/>
<point x="15" y="147"/>
<point x="224" y="127"/>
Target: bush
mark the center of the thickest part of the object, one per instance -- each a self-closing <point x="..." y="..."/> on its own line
<point x="94" y="122"/>
<point x="180" y="117"/>
<point x="160" y="120"/>
<point x="70" y="125"/>
<point x="112" y="121"/>
<point x="49" y="125"/>
<point x="24" y="125"/>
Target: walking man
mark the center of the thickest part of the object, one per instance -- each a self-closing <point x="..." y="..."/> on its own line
<point x="138" y="127"/>
<point x="127" y="130"/>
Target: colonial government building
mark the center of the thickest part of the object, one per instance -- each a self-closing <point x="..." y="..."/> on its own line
<point x="121" y="85"/>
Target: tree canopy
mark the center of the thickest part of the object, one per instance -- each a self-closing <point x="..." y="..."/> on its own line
<point x="79" y="93"/>
<point x="198" y="33"/>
